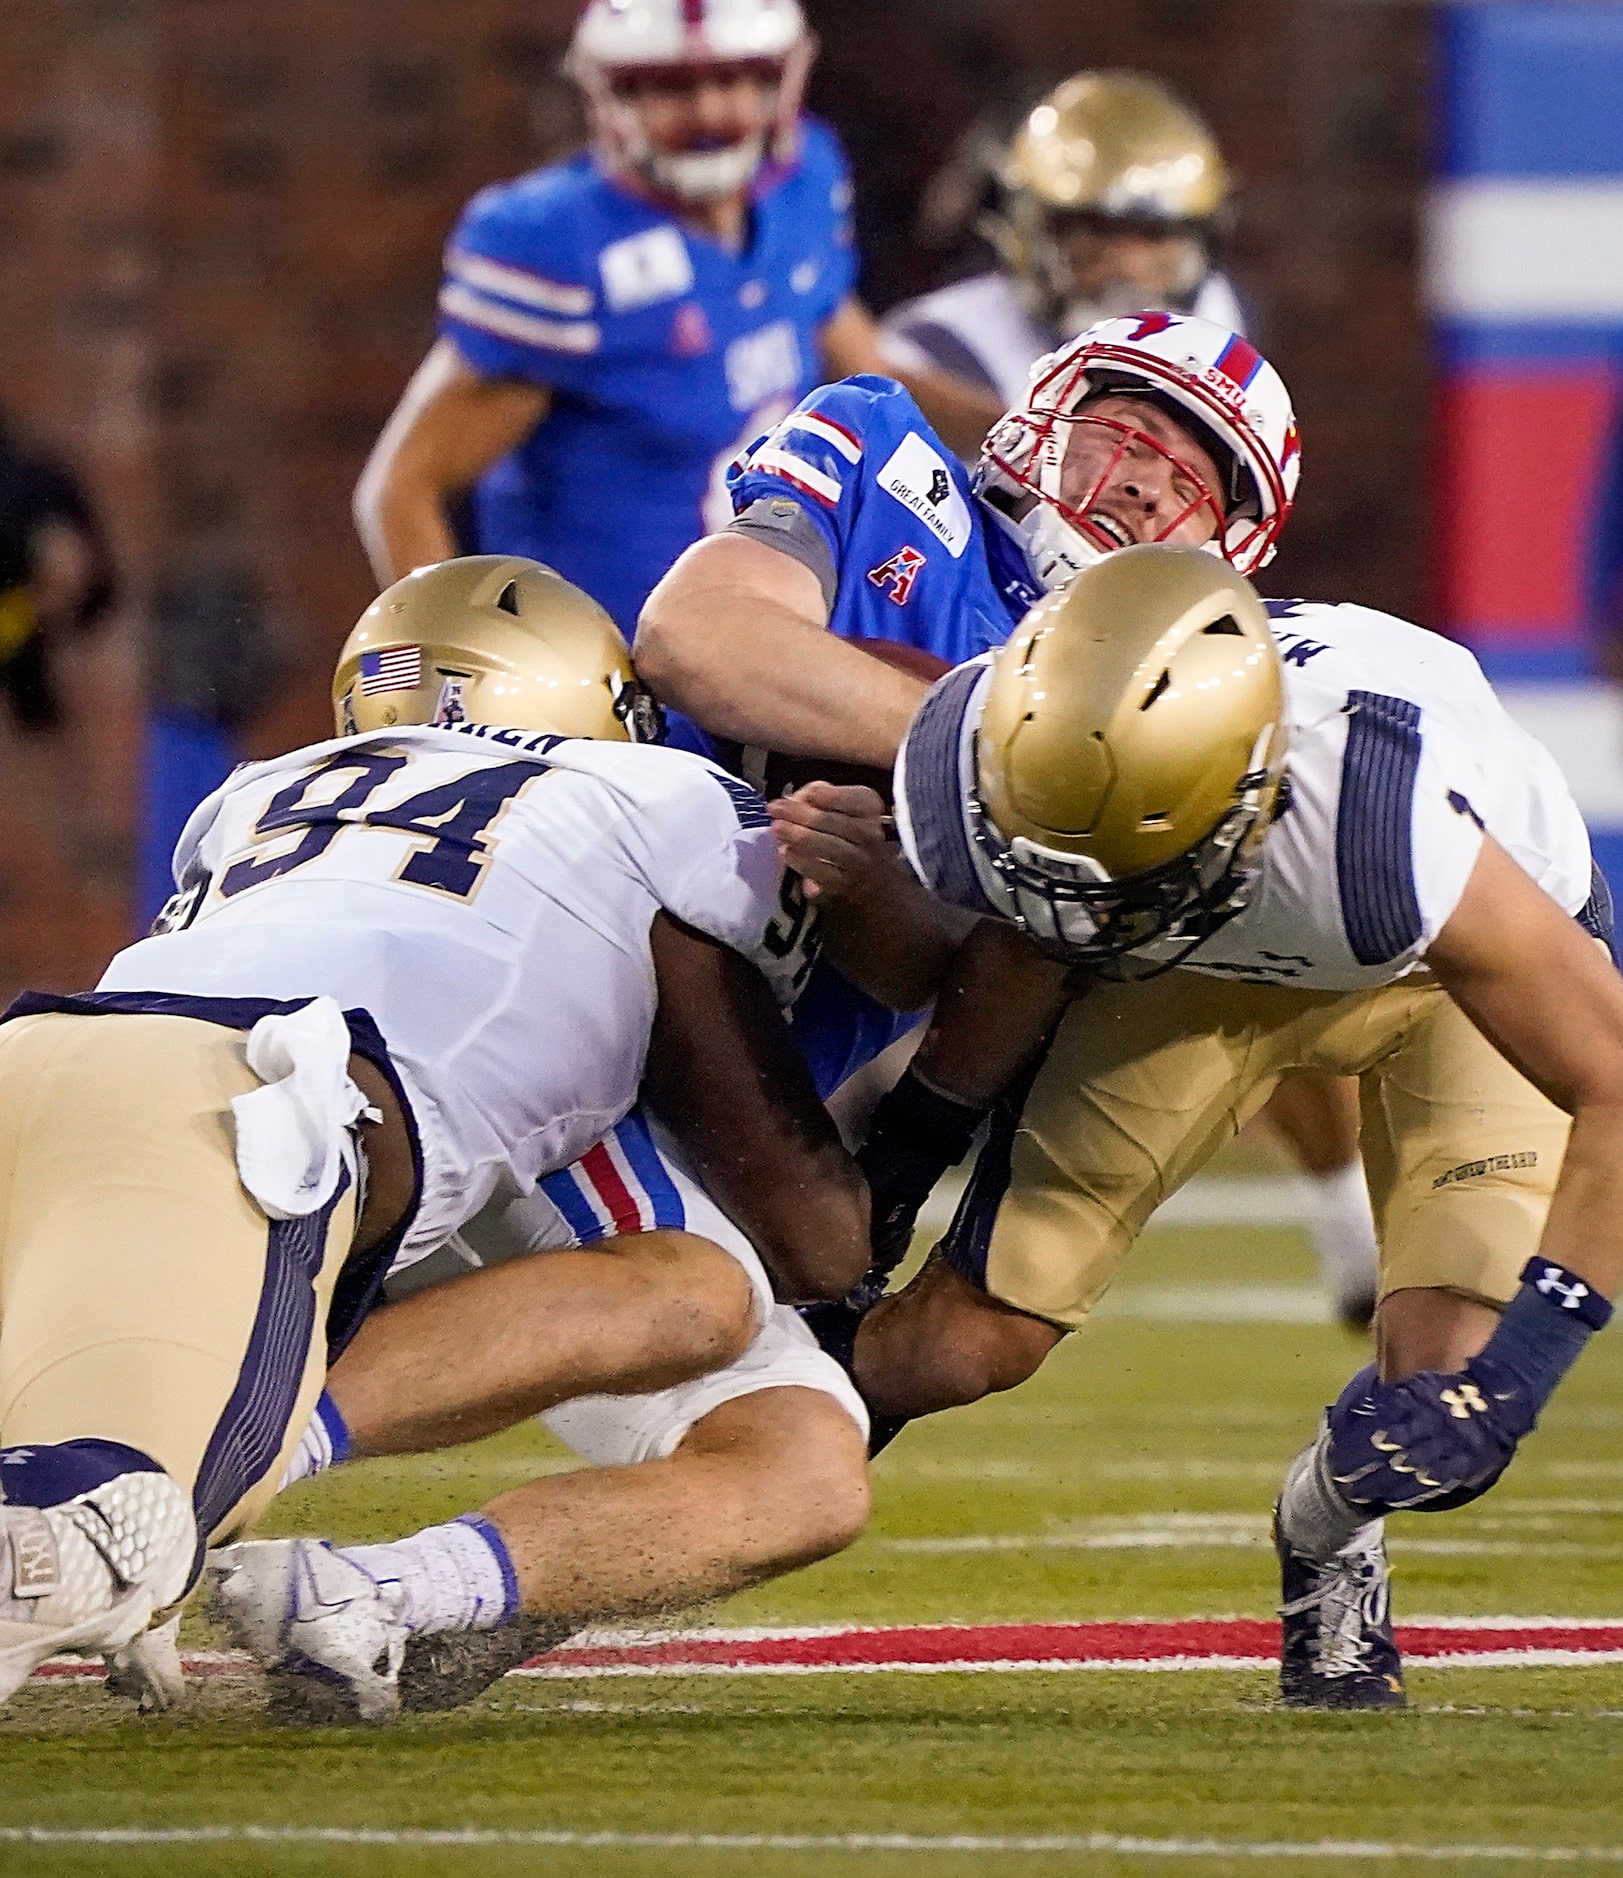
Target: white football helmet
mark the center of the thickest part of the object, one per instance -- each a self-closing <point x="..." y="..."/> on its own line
<point x="618" y="43"/>
<point x="1210" y="380"/>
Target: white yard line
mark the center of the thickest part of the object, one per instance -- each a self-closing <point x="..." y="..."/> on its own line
<point x="1218" y="1304"/>
<point x="1046" y="1845"/>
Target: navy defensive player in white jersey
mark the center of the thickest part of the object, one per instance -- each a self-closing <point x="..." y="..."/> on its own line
<point x="1111" y="197"/>
<point x="626" y="321"/>
<point x="1233" y="847"/>
<point x="751" y="1468"/>
<point x="406" y="973"/>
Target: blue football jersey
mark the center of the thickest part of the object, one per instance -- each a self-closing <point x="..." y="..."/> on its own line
<point x="915" y="559"/>
<point x="665" y="354"/>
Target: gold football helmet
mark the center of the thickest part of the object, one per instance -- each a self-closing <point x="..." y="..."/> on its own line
<point x="490" y="639"/>
<point x="1130" y="754"/>
<point x="1115" y="150"/>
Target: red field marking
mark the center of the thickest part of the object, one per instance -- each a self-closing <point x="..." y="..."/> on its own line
<point x="1199" y="1643"/>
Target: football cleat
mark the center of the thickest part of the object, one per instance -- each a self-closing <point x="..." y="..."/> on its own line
<point x="451" y="1668"/>
<point x="328" y="1635"/>
<point x="1337" y="1649"/>
<point x="148" y="1669"/>
<point x="86" y="1576"/>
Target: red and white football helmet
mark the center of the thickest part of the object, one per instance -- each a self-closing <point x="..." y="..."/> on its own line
<point x="1206" y="377"/>
<point x="619" y="43"/>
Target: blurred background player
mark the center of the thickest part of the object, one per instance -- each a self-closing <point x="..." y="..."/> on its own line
<point x="1113" y="197"/>
<point x="629" y="320"/>
<point x="1109" y="200"/>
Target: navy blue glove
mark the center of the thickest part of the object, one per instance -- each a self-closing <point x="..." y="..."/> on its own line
<point x="1436" y="1438"/>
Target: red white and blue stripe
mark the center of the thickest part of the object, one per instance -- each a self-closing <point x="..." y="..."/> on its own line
<point x="810" y="452"/>
<point x="1523" y="272"/>
<point x="1240" y="361"/>
<point x="621" y="1186"/>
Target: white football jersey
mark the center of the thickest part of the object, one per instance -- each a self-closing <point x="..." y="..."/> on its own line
<point x="486" y="895"/>
<point x="981" y="331"/>
<point x="1400" y="757"/>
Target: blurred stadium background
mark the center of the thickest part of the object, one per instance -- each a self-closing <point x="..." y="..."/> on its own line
<point x="223" y="235"/>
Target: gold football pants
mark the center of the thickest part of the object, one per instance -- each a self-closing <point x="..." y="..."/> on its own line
<point x="1144" y="1083"/>
<point x="144" y="1297"/>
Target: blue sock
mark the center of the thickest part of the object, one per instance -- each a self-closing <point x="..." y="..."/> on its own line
<point x="339" y="1445"/>
<point x="325" y="1443"/>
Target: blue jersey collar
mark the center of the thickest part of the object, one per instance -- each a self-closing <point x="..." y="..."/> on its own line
<point x="1009" y="568"/>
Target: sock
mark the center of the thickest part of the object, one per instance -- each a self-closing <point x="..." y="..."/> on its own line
<point x="57" y="1471"/>
<point x="325" y="1443"/>
<point x="453" y="1577"/>
<point x="1313" y="1517"/>
<point x="1343" y="1231"/>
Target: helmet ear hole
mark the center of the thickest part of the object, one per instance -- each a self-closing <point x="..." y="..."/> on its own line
<point x="1227" y="624"/>
<point x="507" y="599"/>
<point x="1162" y="684"/>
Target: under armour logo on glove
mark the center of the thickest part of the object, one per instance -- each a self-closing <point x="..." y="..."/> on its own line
<point x="1550" y="1284"/>
<point x="1410" y="1443"/>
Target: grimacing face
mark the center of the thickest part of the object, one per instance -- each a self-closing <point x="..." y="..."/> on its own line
<point x="1134" y="471"/>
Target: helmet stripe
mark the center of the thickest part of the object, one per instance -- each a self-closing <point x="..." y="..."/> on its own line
<point x="1239" y="360"/>
<point x="693" y="13"/>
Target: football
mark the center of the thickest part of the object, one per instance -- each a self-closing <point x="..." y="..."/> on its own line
<point x="776" y="774"/>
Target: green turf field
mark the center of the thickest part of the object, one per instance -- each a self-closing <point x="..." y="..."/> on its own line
<point x="1132" y="1478"/>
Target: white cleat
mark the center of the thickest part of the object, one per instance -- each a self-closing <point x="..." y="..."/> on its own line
<point x="328" y="1634"/>
<point x="148" y="1669"/>
<point x="87" y="1575"/>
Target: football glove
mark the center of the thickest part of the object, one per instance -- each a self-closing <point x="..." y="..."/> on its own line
<point x="1439" y="1440"/>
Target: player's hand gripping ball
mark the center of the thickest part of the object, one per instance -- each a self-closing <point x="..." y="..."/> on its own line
<point x="837" y="840"/>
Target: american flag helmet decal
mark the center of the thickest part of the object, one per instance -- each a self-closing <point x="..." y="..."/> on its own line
<point x="395" y="668"/>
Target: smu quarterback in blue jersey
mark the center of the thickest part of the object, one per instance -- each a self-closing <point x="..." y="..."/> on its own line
<point x="665" y="353"/>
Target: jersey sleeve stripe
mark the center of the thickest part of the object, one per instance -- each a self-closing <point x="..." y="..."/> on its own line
<point x="934" y="344"/>
<point x="1375" y="828"/>
<point x="1596" y="914"/>
<point x="461" y="303"/>
<point x="798" y="472"/>
<point x="835" y="435"/>
<point x="517" y="283"/>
